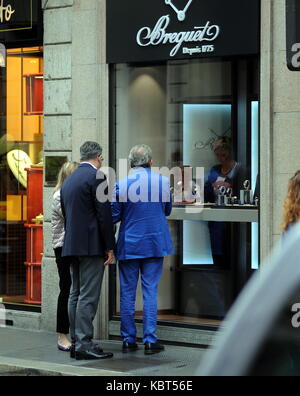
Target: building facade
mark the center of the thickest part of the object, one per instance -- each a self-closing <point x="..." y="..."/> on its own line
<point x="94" y="91"/>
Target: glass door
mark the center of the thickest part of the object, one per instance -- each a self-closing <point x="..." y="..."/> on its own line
<point x="197" y="113"/>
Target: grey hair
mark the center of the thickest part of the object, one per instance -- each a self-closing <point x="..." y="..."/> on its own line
<point x="90" y="151"/>
<point x="140" y="155"/>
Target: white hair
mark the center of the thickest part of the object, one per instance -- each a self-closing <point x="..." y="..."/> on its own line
<point x="140" y="155"/>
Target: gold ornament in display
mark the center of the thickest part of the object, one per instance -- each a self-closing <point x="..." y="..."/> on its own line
<point x="39" y="165"/>
<point x="38" y="219"/>
<point x="18" y="161"/>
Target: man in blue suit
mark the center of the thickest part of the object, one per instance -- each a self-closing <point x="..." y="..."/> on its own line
<point x="142" y="202"/>
<point x="90" y="242"/>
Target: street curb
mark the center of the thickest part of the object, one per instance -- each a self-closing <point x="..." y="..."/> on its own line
<point x="33" y="368"/>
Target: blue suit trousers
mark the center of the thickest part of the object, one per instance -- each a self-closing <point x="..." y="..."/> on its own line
<point x="151" y="272"/>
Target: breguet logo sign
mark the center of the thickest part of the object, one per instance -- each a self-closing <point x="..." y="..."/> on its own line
<point x="15" y="15"/>
<point x="181" y="14"/>
<point x="159" y="34"/>
<point x="143" y="30"/>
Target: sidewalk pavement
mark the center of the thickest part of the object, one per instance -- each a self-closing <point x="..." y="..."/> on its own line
<point x="33" y="353"/>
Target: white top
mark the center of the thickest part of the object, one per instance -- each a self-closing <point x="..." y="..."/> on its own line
<point x="57" y="222"/>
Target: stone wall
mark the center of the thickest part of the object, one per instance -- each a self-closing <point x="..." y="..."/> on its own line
<point x="280" y="122"/>
<point x="76" y="110"/>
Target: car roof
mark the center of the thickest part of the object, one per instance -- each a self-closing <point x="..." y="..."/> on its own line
<point x="255" y="311"/>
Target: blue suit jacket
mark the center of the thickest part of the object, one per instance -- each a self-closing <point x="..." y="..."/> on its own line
<point x="144" y="230"/>
<point x="88" y="223"/>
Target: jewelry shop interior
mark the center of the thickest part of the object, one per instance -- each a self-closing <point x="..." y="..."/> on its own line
<point x="21" y="154"/>
<point x="184" y="79"/>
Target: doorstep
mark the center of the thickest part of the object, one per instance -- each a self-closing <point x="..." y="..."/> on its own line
<point x="172" y="334"/>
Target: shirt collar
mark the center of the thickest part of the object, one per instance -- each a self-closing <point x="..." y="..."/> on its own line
<point x="88" y="163"/>
<point x="141" y="169"/>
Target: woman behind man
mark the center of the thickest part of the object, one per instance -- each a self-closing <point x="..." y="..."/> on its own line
<point x="63" y="265"/>
<point x="292" y="203"/>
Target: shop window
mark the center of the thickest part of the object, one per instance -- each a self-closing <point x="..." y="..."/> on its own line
<point x="21" y="177"/>
<point x="180" y="109"/>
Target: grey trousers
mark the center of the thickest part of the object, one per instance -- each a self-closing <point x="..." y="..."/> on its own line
<point x="87" y="275"/>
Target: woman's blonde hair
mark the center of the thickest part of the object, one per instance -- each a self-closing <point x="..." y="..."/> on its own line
<point x="224" y="144"/>
<point x="66" y="170"/>
<point x="292" y="202"/>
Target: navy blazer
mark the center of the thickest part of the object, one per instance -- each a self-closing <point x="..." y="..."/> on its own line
<point x="88" y="223"/>
<point x="144" y="230"/>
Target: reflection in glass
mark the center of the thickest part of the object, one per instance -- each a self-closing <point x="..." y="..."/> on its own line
<point x="21" y="147"/>
<point x="203" y="125"/>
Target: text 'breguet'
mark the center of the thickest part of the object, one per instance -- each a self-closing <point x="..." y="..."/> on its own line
<point x="158" y="35"/>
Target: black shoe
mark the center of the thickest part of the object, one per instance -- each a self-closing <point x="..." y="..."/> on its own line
<point x="72" y="351"/>
<point x="97" y="348"/>
<point x="92" y="355"/>
<point x="129" y="347"/>
<point x="151" y="349"/>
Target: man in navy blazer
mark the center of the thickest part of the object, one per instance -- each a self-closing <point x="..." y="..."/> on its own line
<point x="142" y="202"/>
<point x="90" y="242"/>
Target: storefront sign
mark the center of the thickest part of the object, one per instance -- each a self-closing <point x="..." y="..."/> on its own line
<point x="21" y="21"/>
<point x="6" y="12"/>
<point x="293" y="34"/>
<point x="15" y="15"/>
<point x="140" y="30"/>
<point x="159" y="35"/>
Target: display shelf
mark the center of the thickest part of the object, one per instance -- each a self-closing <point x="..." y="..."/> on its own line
<point x="33" y="263"/>
<point x="34" y="94"/>
<point x="34" y="237"/>
<point x="34" y="193"/>
<point x="194" y="212"/>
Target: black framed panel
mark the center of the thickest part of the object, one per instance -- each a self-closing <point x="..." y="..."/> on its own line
<point x="21" y="23"/>
<point x="143" y="31"/>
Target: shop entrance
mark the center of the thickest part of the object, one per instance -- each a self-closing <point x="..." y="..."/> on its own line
<point x="183" y="110"/>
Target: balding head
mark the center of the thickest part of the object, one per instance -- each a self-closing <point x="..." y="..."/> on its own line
<point x="140" y="156"/>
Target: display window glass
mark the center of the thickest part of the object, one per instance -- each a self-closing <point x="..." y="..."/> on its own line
<point x="21" y="177"/>
<point x="181" y="109"/>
